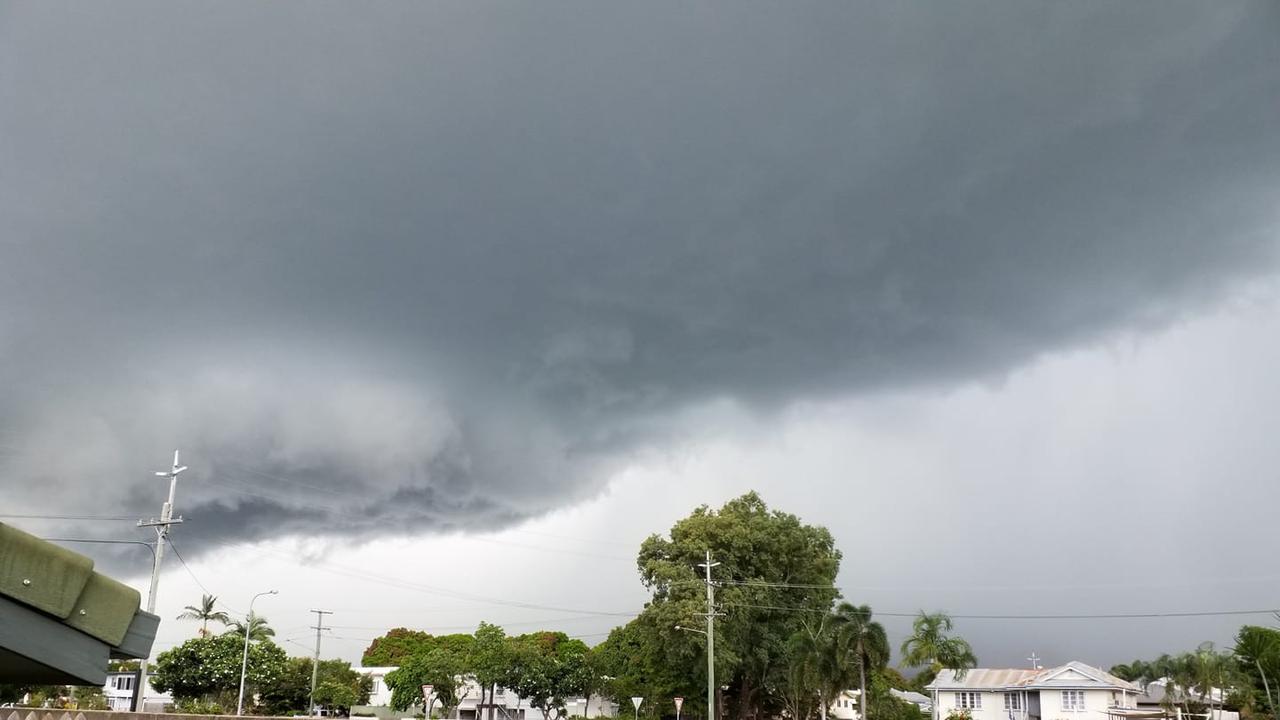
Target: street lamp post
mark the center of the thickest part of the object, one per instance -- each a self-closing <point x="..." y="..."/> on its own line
<point x="244" y="661"/>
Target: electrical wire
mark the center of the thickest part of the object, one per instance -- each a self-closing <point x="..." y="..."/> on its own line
<point x="1076" y="616"/>
<point x="69" y="517"/>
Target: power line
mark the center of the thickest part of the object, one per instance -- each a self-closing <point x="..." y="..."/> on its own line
<point x="1078" y="616"/>
<point x="104" y="542"/>
<point x="197" y="580"/>
<point x="68" y="517"/>
<point x="394" y="582"/>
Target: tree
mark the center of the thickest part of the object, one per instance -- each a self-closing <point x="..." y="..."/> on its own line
<point x="774" y="571"/>
<point x="88" y="697"/>
<point x="1258" y="649"/>
<point x="440" y="667"/>
<point x="930" y="645"/>
<point x="208" y="668"/>
<point x="488" y="661"/>
<point x="336" y="697"/>
<point x="640" y="659"/>
<point x="258" y="628"/>
<point x="392" y="649"/>
<point x="866" y="640"/>
<point x="291" y="690"/>
<point x="205" y="612"/>
<point x="546" y="668"/>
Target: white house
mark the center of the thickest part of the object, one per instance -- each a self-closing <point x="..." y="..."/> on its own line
<point x="921" y="701"/>
<point x="380" y="695"/>
<point x="845" y="706"/>
<point x="118" y="691"/>
<point x="1074" y="691"/>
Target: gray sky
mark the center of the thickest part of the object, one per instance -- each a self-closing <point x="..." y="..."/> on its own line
<point x="987" y="288"/>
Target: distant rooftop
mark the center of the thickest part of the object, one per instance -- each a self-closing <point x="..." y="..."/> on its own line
<point x="1072" y="675"/>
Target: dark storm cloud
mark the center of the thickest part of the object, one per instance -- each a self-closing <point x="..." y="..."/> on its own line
<point x="440" y="265"/>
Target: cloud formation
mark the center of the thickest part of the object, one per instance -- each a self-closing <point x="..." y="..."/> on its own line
<point x="444" y="266"/>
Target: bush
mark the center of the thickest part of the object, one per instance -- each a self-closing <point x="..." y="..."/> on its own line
<point x="199" y="707"/>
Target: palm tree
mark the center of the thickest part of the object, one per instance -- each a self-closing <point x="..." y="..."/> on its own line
<point x="929" y="645"/>
<point x="204" y="613"/>
<point x="1260" y="647"/>
<point x="258" y="628"/>
<point x="866" y="639"/>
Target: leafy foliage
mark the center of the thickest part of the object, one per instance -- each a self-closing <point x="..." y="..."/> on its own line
<point x="931" y="646"/>
<point x="778" y="576"/>
<point x="547" y="668"/>
<point x="438" y="666"/>
<point x="394" y="648"/>
<point x="291" y="691"/>
<point x="258" y="628"/>
<point x="204" y="612"/>
<point x="208" y="668"/>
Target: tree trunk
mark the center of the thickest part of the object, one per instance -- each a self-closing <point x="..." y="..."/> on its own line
<point x="864" y="703"/>
<point x="1266" y="686"/>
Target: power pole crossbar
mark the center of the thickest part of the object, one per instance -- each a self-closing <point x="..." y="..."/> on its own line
<point x="315" y="665"/>
<point x="162" y="534"/>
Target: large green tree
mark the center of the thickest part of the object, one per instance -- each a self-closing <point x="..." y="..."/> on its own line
<point x="488" y="661"/>
<point x="439" y="666"/>
<point x="547" y="668"/>
<point x="395" y="647"/>
<point x="291" y="690"/>
<point x="775" y="574"/>
<point x="208" y="668"/>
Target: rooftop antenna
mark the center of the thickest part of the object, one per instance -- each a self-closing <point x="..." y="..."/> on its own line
<point x="1035" y="661"/>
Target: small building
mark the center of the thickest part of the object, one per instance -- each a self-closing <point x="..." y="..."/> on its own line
<point x="845" y="706"/>
<point x="119" y="691"/>
<point x="920" y="700"/>
<point x="1074" y="691"/>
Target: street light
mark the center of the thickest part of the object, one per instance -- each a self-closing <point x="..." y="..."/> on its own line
<point x="244" y="662"/>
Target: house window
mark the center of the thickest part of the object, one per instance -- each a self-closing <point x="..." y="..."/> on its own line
<point x="124" y="682"/>
<point x="1012" y="701"/>
<point x="969" y="700"/>
<point x="1073" y="700"/>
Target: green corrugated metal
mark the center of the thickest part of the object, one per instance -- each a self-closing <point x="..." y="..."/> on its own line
<point x="36" y="573"/>
<point x="105" y="609"/>
<point x="69" y="609"/>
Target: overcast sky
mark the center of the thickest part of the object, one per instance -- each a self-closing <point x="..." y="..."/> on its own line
<point x="449" y="305"/>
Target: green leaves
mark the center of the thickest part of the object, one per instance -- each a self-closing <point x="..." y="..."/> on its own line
<point x="930" y="645"/>
<point x="205" y="666"/>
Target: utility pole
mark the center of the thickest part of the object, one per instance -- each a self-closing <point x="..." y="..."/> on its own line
<point x="315" y="666"/>
<point x="162" y="533"/>
<point x="711" y="640"/>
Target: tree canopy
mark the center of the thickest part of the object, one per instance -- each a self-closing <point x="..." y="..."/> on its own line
<point x="208" y="668"/>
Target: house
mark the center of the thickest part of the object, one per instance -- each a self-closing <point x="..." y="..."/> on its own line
<point x="845" y="706"/>
<point x="119" y="689"/>
<point x="921" y="701"/>
<point x="1162" y="700"/>
<point x="1074" y="691"/>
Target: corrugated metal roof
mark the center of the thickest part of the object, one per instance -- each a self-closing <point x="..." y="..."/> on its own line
<point x="983" y="678"/>
<point x="1000" y="678"/>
